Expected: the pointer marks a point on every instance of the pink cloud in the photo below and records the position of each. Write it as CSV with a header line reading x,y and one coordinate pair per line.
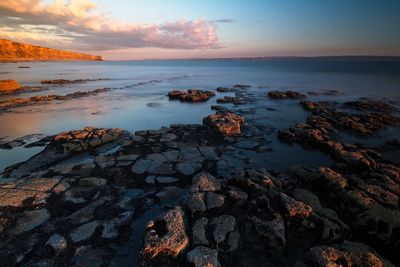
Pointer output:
x,y
77,23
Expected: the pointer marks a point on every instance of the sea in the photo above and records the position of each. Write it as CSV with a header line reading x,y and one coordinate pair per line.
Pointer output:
x,y
138,97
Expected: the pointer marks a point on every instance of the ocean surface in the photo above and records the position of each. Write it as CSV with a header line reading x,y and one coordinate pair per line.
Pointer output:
x,y
138,98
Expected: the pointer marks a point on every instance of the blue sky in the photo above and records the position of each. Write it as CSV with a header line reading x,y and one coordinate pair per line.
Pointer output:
x,y
233,28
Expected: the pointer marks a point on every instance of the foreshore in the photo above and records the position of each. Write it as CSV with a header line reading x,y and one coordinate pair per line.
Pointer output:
x,y
193,194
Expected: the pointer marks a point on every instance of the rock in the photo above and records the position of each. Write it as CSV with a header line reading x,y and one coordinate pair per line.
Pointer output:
x,y
160,168
169,193
87,256
221,226
185,168
9,85
345,254
208,153
231,99
214,200
141,166
57,242
84,232
165,237
199,232
238,196
190,154
167,180
294,208
195,203
203,257
30,220
285,95
227,124
241,86
205,182
191,95
224,90
273,231
371,105
110,230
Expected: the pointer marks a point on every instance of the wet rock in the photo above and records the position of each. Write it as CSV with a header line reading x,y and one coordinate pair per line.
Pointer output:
x,y
195,203
241,86
224,90
227,124
371,105
185,168
169,193
273,231
199,232
110,228
205,182
238,196
57,242
160,168
191,95
203,256
231,99
346,254
84,232
221,226
30,220
165,237
214,200
141,166
87,256
208,153
285,95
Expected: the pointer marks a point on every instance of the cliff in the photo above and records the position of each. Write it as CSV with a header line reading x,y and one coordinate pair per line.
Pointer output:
x,y
13,51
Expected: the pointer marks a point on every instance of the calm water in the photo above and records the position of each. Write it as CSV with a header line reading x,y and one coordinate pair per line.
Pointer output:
x,y
136,84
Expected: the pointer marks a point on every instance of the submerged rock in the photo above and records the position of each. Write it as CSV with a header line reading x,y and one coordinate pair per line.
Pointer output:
x,y
285,95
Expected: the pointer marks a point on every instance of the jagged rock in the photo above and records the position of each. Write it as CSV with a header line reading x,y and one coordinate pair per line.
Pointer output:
x,y
371,105
205,182
84,232
345,254
273,231
203,256
285,95
237,195
195,202
165,237
294,208
57,242
199,232
191,95
222,225
227,124
214,200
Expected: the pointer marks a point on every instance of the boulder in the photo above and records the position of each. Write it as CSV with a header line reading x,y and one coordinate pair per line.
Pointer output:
x,y
228,124
165,237
9,85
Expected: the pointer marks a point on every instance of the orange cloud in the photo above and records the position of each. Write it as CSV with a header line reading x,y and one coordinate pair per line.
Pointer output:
x,y
77,22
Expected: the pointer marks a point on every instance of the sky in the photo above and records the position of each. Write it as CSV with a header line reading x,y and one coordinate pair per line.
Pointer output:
x,y
164,29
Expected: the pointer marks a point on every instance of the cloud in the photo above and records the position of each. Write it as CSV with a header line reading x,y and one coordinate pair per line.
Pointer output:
x,y
223,21
76,23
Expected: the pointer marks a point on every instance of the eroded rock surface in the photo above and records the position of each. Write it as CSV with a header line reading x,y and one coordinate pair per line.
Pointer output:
x,y
191,95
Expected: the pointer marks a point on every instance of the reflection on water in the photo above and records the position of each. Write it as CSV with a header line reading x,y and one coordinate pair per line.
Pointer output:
x,y
139,83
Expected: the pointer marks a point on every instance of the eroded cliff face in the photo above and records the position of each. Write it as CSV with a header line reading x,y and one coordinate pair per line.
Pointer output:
x,y
13,51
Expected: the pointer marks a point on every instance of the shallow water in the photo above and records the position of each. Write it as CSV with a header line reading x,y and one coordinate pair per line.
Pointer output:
x,y
138,83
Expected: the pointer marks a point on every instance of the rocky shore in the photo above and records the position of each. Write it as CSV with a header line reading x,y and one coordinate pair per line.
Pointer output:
x,y
187,195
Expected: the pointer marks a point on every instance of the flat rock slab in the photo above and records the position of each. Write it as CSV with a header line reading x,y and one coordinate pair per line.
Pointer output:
x,y
30,220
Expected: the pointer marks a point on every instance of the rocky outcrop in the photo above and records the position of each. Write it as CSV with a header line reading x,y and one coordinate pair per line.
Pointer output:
x,y
191,95
40,99
225,123
9,85
13,51
286,95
